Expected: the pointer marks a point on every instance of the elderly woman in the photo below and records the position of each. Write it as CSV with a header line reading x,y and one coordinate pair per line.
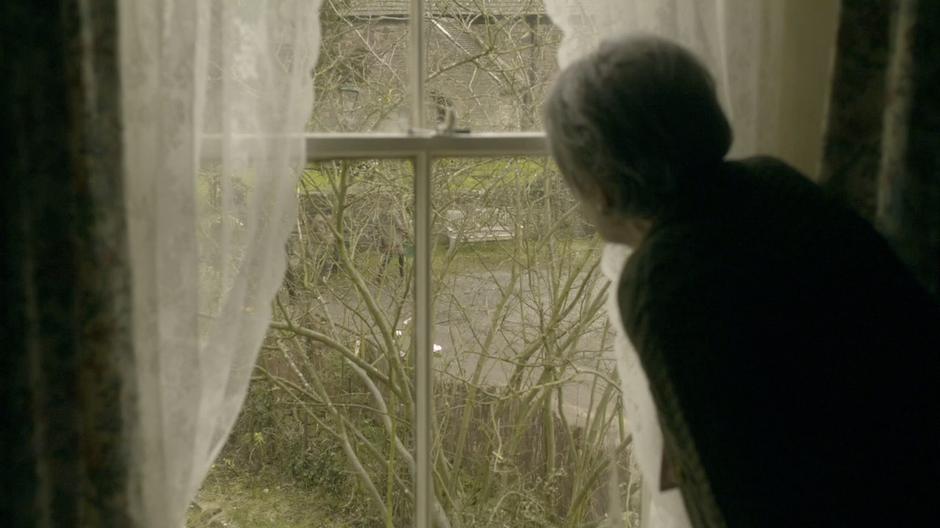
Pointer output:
x,y
790,357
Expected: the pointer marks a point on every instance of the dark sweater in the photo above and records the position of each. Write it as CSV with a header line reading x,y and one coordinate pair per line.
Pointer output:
x,y
791,355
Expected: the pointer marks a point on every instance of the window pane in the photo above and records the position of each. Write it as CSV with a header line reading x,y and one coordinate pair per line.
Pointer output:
x,y
489,63
529,424
325,435
362,75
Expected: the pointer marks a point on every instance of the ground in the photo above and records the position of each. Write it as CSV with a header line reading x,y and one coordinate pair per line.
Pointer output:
x,y
227,500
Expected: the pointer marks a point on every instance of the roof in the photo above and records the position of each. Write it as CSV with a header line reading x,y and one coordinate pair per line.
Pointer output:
x,y
370,8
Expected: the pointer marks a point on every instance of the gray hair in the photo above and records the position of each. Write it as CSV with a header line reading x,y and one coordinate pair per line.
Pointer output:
x,y
636,120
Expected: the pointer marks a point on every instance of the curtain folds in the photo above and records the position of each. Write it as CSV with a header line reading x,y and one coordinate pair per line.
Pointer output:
x,y
880,153
64,274
771,63
855,117
215,96
908,193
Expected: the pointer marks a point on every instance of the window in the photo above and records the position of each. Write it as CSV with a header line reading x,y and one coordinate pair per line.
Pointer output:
x,y
440,354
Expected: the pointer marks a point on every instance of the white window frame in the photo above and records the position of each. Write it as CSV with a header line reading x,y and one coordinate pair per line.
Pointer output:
x,y
422,146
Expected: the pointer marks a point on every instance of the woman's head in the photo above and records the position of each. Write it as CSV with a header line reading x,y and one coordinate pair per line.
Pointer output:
x,y
630,123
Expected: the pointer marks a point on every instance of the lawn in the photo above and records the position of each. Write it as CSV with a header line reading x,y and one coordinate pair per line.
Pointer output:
x,y
227,500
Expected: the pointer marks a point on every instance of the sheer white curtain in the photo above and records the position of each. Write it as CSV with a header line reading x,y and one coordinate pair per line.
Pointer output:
x,y
216,93
770,60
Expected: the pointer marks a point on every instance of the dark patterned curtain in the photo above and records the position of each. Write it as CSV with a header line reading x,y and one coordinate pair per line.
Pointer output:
x,y
65,331
882,147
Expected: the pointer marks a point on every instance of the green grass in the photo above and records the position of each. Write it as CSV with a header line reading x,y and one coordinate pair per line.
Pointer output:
x,y
227,500
476,257
313,179
481,174
455,174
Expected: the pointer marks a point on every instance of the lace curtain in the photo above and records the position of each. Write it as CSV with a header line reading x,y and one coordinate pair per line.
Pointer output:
x,y
215,95
770,61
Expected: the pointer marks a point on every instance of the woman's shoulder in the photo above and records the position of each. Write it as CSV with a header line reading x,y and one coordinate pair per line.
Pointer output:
x,y
770,205
769,168
768,238
673,265
767,164
760,225
773,180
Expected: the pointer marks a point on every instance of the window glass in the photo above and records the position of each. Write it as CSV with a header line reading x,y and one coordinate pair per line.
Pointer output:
x,y
361,79
528,429
488,64
529,425
325,435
